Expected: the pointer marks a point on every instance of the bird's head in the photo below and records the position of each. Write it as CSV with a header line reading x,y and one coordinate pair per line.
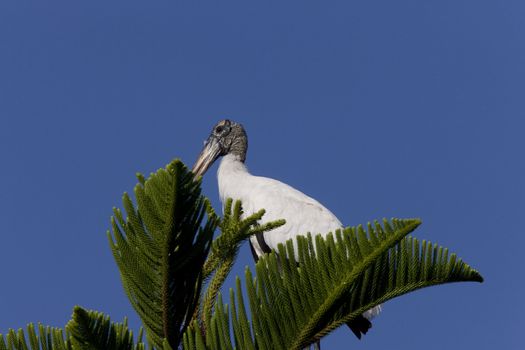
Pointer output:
x,y
227,137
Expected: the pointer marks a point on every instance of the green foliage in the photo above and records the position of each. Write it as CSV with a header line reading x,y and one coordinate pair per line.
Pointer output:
x,y
172,271
234,231
161,248
293,303
88,330
91,330
43,339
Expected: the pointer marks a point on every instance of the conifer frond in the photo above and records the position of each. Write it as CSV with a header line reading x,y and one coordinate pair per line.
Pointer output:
x,y
91,330
295,302
234,231
87,330
165,251
46,338
160,249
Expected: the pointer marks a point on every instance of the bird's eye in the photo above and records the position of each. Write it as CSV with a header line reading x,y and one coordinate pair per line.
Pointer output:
x,y
219,129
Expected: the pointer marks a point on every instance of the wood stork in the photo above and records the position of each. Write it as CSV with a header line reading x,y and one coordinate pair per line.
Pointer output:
x,y
303,214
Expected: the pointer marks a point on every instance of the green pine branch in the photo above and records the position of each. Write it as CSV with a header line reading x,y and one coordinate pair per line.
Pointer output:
x,y
40,338
295,302
172,271
91,330
161,248
87,330
234,231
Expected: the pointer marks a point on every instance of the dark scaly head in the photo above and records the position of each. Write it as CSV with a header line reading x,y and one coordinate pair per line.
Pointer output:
x,y
227,137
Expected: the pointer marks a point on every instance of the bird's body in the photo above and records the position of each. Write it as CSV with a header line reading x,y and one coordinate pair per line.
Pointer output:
x,y
302,213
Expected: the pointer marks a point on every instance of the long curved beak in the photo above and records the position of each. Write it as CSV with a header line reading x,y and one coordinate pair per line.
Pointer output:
x,y
208,155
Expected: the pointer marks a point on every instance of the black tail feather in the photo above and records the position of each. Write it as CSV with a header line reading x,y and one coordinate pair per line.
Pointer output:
x,y
359,326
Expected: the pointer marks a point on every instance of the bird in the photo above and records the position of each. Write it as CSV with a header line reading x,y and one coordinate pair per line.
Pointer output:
x,y
228,140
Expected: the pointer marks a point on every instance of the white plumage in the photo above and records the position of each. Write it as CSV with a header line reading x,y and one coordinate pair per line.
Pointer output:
x,y
302,213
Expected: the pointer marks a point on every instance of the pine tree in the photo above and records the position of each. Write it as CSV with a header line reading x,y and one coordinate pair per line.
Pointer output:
x,y
173,270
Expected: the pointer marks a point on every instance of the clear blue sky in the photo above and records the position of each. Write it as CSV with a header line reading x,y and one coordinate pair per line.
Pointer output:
x,y
375,108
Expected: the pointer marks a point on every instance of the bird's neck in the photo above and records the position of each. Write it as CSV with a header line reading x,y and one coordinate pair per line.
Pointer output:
x,y
231,175
239,147
231,164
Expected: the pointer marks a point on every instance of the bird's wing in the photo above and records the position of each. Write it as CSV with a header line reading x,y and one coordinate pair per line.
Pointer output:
x,y
302,213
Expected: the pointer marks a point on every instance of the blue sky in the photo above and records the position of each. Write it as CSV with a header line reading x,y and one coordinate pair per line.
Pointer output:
x,y
377,109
